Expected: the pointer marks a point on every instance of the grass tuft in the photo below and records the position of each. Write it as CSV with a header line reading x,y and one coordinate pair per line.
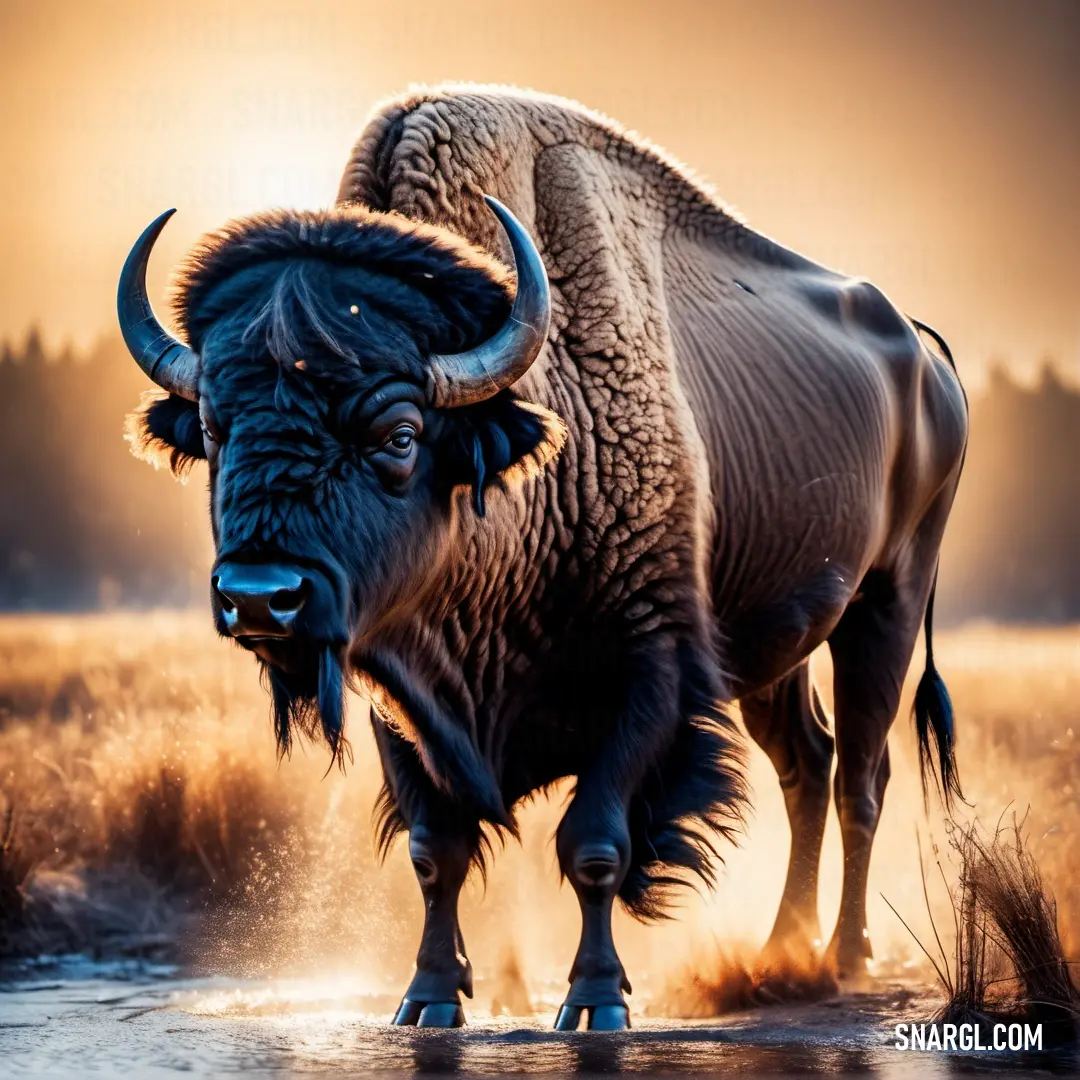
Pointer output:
x,y
1008,962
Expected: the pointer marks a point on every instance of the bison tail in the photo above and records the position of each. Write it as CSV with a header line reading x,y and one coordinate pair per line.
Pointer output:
x,y
934,716
694,798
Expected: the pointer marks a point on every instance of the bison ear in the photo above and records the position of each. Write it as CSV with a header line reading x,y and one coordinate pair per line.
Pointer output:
x,y
165,431
501,441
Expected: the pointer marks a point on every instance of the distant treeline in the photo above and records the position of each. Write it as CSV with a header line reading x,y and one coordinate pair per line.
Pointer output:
x,y
1012,551
84,525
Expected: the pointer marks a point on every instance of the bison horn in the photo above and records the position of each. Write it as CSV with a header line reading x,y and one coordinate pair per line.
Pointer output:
x,y
170,363
498,362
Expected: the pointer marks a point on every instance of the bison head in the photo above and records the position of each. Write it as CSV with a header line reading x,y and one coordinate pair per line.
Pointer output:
x,y
346,376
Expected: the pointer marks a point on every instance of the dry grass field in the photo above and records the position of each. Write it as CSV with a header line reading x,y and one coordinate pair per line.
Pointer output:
x,y
143,812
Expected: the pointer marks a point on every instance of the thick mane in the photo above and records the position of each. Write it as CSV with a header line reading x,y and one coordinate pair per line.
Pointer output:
x,y
342,278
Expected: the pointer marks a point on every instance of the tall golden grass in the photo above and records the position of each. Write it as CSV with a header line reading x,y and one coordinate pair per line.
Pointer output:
x,y
146,809
143,810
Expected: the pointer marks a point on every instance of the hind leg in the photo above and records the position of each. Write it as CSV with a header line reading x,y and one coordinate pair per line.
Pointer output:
x,y
871,650
788,721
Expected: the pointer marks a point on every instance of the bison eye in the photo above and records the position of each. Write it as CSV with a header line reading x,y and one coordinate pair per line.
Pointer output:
x,y
401,440
208,423
390,442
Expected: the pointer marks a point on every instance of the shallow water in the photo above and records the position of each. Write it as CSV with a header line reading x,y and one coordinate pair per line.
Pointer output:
x,y
77,1018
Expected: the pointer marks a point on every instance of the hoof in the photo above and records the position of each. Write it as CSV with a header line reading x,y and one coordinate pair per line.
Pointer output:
x,y
568,1018
408,1013
852,976
794,949
600,1017
442,1014
435,1014
848,956
609,1018
855,976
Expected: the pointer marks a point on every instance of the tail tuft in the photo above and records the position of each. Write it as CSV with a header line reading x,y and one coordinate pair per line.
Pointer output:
x,y
934,714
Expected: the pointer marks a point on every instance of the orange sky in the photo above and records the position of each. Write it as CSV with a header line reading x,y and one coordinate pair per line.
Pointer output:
x,y
932,145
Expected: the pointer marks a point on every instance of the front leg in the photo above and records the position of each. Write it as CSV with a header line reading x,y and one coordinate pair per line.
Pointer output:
x,y
593,840
443,839
593,846
441,861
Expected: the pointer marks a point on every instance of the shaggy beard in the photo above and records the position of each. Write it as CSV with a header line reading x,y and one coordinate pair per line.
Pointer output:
x,y
311,702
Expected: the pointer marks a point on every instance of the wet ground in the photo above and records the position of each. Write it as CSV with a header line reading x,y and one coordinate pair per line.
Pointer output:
x,y
81,1019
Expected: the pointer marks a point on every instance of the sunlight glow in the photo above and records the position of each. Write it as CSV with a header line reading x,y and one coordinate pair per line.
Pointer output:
x,y
326,995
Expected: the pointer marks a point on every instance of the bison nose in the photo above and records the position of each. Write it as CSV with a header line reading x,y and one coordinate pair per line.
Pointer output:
x,y
259,599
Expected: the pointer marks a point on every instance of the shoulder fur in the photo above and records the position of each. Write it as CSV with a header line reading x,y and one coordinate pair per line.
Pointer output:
x,y
399,146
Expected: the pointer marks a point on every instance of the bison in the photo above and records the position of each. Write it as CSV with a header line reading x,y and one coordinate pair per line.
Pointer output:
x,y
553,522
